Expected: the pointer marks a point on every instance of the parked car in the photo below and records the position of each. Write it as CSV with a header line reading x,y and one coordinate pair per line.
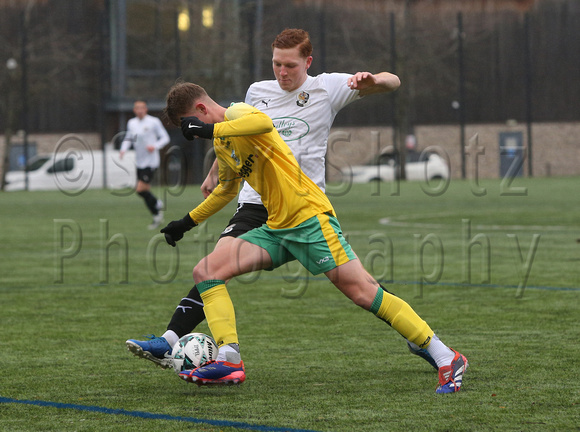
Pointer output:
x,y
424,166
75,171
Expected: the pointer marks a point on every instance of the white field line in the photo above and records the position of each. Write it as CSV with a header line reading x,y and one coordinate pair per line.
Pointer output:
x,y
390,222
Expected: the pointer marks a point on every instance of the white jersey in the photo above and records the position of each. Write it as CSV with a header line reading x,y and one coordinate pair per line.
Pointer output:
x,y
148,131
303,118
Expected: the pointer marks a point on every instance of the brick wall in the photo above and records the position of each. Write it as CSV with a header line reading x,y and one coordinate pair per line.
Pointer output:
x,y
555,147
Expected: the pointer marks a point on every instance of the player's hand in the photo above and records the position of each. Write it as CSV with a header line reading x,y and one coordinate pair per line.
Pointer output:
x,y
367,83
208,186
192,127
175,229
361,80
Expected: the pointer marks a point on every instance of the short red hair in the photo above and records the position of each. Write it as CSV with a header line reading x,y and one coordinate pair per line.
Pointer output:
x,y
291,38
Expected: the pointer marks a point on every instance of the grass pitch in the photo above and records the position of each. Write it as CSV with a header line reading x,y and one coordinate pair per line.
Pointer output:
x,y
497,276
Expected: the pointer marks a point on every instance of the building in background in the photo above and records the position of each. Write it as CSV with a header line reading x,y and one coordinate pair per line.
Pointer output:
x,y
87,61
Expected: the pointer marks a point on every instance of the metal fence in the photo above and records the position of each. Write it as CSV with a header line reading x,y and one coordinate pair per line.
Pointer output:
x,y
78,66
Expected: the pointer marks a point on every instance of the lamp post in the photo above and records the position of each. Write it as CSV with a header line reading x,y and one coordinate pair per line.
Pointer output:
x,y
24,90
11,66
461,102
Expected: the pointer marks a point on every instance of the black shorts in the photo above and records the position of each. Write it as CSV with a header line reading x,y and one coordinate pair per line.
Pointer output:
x,y
246,218
146,174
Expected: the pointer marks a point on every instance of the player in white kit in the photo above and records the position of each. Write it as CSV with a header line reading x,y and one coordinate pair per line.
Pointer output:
x,y
147,136
303,109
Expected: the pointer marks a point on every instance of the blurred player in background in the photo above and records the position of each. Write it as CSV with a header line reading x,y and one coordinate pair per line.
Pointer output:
x,y
147,135
301,225
303,109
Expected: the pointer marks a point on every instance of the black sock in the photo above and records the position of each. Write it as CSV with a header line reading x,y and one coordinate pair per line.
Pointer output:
x,y
150,201
188,314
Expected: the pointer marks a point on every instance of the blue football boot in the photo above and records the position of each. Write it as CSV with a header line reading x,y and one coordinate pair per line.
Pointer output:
x,y
155,349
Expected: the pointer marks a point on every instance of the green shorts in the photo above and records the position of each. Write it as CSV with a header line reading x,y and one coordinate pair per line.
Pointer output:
x,y
317,243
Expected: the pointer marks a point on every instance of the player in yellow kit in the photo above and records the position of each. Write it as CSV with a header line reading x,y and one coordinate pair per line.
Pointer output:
x,y
301,225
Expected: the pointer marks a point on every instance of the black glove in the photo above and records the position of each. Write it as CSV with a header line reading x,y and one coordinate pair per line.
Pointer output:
x,y
192,127
175,229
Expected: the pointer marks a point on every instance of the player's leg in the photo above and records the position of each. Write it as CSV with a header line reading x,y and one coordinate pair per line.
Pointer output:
x,y
414,348
236,258
328,252
231,258
189,313
332,243
186,317
143,189
155,349
350,278
354,282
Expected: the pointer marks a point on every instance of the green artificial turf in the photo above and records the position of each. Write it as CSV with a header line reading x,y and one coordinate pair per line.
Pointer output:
x,y
496,276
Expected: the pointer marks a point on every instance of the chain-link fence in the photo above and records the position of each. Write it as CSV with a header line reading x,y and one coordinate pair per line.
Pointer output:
x,y
459,62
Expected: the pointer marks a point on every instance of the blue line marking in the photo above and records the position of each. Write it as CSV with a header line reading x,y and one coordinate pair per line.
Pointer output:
x,y
152,416
473,285
450,284
389,281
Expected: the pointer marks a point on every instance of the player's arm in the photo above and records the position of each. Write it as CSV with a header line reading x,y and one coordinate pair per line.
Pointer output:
x,y
211,181
241,120
225,192
367,83
162,135
127,141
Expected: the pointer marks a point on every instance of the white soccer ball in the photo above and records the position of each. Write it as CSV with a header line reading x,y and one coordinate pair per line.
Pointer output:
x,y
192,351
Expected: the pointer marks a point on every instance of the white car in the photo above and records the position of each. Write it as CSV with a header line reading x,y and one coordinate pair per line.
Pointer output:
x,y
75,171
424,166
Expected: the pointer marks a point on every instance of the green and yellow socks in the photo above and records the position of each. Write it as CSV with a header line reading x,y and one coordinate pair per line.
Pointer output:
x,y
399,315
219,311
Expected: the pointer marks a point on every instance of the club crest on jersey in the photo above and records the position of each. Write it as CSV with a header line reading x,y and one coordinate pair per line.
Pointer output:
x,y
302,99
234,157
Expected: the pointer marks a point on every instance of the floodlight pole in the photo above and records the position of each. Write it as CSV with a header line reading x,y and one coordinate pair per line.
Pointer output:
x,y
461,90
394,71
257,43
24,91
528,68
11,66
322,33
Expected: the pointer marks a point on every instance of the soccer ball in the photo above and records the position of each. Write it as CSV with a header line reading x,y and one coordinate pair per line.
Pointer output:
x,y
192,351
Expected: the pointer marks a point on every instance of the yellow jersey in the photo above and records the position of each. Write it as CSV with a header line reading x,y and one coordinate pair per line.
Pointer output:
x,y
249,148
